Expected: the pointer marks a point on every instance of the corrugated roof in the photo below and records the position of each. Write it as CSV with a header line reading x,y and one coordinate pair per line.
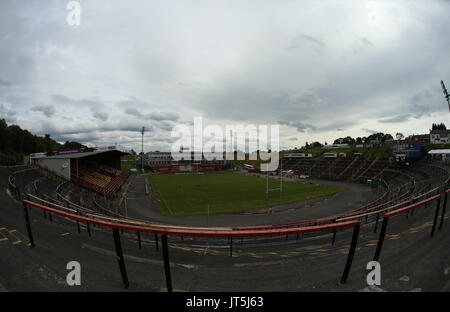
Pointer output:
x,y
79,155
439,151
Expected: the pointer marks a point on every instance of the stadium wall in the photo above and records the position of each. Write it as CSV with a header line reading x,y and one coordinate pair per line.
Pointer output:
x,y
186,168
59,166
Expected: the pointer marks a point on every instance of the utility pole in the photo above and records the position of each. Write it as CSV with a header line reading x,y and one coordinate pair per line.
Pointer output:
x,y
142,155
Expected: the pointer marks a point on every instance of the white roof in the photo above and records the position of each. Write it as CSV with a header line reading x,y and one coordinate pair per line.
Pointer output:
x,y
75,155
439,151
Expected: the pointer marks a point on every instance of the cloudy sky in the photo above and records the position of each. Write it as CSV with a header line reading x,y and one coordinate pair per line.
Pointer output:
x,y
319,69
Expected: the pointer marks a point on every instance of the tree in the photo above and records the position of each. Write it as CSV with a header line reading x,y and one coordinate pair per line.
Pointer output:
x,y
315,145
72,145
440,126
3,134
399,136
386,137
348,140
15,143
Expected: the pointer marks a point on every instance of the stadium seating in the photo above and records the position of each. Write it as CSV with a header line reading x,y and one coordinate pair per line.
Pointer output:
x,y
99,178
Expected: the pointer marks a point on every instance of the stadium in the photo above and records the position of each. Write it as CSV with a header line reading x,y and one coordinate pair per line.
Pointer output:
x,y
229,149
336,212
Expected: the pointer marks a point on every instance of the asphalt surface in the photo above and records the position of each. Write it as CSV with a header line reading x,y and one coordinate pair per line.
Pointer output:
x,y
411,260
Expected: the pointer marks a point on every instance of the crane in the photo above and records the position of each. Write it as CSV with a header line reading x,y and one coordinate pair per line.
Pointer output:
x,y
446,95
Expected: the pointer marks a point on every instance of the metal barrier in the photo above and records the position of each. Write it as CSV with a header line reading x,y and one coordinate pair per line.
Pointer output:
x,y
444,207
164,232
399,211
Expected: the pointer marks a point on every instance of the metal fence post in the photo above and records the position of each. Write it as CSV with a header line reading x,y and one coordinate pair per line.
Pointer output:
x,y
27,222
88,229
120,258
381,239
156,242
78,225
165,249
351,253
139,239
444,207
376,223
231,246
333,240
435,216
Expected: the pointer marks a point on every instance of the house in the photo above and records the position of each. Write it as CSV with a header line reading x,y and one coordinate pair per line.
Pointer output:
x,y
440,136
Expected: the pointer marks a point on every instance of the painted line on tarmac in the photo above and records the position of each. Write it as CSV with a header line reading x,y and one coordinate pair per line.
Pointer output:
x,y
394,236
12,234
17,241
3,235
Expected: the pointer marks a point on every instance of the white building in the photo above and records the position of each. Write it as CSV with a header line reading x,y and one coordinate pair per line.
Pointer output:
x,y
440,136
442,154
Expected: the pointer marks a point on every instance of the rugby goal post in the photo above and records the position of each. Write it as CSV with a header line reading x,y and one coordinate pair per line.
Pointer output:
x,y
280,188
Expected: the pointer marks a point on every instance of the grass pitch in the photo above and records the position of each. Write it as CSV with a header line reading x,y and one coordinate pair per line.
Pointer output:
x,y
192,194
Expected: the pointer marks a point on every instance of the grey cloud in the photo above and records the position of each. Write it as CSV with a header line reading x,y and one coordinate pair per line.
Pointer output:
x,y
396,119
362,45
268,72
47,110
164,125
134,112
301,126
8,114
100,116
62,98
302,40
423,104
308,101
156,116
366,41
164,116
323,125
91,103
370,131
5,83
339,125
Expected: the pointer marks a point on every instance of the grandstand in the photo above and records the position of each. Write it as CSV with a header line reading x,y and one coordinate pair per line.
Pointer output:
x,y
97,170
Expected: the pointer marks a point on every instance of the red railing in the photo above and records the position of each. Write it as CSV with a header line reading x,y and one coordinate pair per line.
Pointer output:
x,y
402,210
218,232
